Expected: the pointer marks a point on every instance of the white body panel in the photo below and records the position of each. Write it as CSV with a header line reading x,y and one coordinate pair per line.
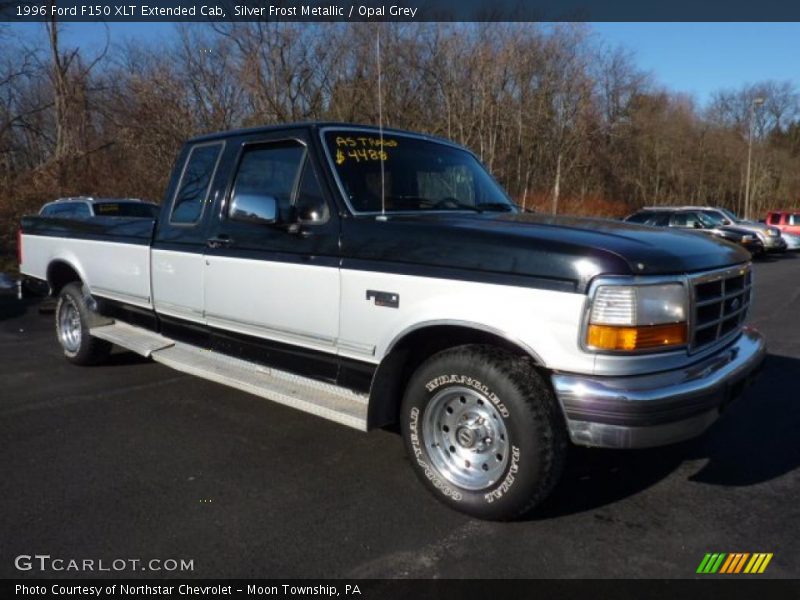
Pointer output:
x,y
288,302
178,279
322,308
112,270
545,322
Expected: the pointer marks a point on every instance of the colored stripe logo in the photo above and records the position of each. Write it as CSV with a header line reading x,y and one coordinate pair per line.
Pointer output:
x,y
734,563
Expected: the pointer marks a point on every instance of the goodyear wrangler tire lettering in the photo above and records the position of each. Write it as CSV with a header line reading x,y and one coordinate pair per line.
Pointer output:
x,y
484,431
509,480
469,381
418,454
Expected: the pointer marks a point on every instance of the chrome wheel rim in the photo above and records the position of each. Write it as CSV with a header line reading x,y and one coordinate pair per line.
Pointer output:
x,y
69,325
466,438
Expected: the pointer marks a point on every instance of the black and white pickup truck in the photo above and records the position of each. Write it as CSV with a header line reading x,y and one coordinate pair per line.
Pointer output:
x,y
374,276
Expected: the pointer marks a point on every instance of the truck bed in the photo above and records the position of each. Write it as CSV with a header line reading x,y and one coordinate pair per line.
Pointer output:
x,y
114,253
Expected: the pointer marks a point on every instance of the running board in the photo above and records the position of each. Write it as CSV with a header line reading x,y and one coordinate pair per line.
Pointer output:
x,y
138,340
325,400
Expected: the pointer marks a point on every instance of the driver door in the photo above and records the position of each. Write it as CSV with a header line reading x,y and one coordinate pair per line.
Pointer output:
x,y
272,289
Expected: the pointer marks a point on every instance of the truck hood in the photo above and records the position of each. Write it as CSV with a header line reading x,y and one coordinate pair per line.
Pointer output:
x,y
568,249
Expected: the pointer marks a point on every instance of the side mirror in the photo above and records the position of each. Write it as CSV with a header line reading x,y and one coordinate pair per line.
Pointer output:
x,y
254,208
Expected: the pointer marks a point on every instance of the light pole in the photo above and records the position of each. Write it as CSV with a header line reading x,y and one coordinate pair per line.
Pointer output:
x,y
757,101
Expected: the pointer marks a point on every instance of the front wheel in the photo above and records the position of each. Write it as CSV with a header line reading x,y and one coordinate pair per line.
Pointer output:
x,y
483,431
73,319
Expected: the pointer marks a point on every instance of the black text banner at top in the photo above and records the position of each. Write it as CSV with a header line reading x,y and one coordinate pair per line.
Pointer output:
x,y
398,10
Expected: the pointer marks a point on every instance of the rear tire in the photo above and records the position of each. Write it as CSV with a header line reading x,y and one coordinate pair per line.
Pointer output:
x,y
483,431
73,320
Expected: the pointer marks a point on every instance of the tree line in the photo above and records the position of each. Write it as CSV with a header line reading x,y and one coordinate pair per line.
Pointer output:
x,y
566,123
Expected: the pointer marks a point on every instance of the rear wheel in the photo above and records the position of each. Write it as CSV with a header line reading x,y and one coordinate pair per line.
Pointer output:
x,y
73,319
483,431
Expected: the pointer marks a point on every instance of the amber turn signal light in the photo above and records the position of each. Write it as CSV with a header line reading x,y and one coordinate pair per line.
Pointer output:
x,y
611,337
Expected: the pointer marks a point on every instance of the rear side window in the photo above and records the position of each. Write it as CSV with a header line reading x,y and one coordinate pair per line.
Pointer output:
x,y
194,185
659,220
271,170
774,219
683,219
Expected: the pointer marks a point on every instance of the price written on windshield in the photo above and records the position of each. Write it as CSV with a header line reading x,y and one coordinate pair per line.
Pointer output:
x,y
361,148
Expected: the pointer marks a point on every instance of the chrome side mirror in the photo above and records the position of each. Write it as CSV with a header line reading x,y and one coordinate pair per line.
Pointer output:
x,y
254,208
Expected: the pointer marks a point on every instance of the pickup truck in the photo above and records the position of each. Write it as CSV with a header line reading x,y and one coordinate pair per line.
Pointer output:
x,y
786,221
378,277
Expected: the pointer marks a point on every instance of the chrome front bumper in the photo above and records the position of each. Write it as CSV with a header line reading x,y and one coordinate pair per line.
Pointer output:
x,y
658,409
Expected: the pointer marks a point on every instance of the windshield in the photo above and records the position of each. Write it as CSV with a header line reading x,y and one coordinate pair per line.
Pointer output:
x,y
125,209
419,175
730,215
712,217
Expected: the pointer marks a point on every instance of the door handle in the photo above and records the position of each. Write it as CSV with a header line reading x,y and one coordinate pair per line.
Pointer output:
x,y
221,241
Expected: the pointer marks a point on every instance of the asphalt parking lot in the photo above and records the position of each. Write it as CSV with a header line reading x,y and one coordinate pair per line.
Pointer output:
x,y
133,460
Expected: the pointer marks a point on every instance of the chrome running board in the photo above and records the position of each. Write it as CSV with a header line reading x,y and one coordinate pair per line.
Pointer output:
x,y
136,339
325,400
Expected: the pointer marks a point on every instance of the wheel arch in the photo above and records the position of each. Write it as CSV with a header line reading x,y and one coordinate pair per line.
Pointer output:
x,y
413,346
60,272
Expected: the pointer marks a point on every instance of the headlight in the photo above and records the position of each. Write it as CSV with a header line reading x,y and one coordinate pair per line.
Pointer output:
x,y
773,232
746,239
637,317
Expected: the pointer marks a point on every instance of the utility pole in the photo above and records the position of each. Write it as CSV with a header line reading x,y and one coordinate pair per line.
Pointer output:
x,y
757,101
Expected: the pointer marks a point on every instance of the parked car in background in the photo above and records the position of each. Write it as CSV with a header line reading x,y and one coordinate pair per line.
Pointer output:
x,y
786,221
792,241
769,236
697,220
87,206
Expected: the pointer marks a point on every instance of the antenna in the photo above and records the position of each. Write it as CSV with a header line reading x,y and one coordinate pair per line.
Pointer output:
x,y
380,120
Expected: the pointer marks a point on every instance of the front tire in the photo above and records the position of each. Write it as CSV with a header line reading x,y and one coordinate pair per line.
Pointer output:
x,y
483,431
73,320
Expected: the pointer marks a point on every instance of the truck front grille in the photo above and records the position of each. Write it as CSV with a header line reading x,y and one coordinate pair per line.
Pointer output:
x,y
720,301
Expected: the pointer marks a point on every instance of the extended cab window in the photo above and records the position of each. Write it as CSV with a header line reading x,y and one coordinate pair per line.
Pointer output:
x,y
270,170
774,219
194,185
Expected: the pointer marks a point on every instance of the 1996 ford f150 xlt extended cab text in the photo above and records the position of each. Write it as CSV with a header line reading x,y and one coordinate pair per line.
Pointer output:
x,y
377,276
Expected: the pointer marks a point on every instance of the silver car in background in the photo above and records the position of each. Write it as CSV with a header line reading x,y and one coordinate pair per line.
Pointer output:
x,y
770,236
78,207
